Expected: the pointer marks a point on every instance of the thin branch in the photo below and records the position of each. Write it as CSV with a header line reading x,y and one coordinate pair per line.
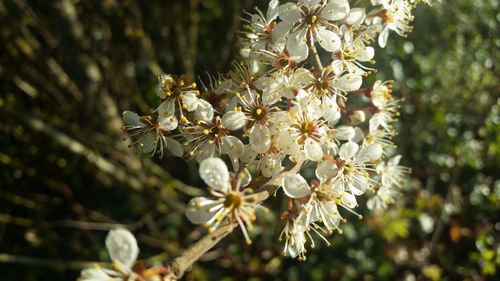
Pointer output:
x,y
442,217
78,148
58,264
315,56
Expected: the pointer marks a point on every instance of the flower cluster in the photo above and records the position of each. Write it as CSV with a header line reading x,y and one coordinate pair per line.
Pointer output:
x,y
284,105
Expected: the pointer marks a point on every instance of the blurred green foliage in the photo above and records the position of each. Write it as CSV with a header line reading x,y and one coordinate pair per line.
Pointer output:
x,y
68,68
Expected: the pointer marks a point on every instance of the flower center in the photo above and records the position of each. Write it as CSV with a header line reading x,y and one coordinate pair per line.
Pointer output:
x,y
323,85
259,113
387,16
311,19
308,128
233,200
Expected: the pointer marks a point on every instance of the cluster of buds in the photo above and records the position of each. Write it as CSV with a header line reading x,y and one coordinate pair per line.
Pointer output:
x,y
281,106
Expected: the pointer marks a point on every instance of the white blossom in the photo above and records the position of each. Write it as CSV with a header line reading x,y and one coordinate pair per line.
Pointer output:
x,y
275,110
229,198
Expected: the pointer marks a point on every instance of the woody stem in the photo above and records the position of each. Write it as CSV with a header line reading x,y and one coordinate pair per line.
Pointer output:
x,y
315,57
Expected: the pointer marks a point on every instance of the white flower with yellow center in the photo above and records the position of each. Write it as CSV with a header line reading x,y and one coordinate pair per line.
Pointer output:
x,y
353,53
305,131
257,113
353,165
387,107
332,81
309,21
286,85
396,16
295,237
205,139
230,200
178,96
123,251
263,32
153,133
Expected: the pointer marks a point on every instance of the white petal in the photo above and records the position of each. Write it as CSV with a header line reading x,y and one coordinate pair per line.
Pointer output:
x,y
234,120
326,170
359,186
198,210
358,135
166,108
233,146
310,3
204,111
344,133
245,177
347,150
297,46
301,76
224,86
148,143
295,186
260,138
365,54
356,16
331,111
349,82
248,155
207,152
214,173
122,246
290,13
168,123
336,10
333,220
281,30
271,95
394,160
314,108
95,274
272,10
270,166
382,38
190,101
331,148
349,199
313,150
370,152
338,67
175,147
132,119
329,40
287,144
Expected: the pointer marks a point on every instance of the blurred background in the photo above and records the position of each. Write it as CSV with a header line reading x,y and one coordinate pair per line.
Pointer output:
x,y
69,68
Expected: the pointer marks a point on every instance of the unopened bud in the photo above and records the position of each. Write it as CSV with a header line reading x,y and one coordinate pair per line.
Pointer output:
x,y
357,117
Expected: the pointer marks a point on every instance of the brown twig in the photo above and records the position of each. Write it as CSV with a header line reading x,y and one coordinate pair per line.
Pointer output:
x,y
315,56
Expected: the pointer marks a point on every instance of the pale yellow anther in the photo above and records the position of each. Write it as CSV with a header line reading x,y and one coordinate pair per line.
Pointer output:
x,y
206,132
258,111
